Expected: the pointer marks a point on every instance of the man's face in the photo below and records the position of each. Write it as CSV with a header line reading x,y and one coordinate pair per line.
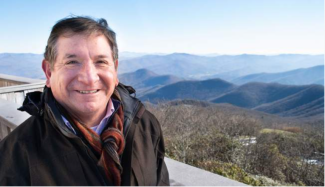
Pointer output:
x,y
84,75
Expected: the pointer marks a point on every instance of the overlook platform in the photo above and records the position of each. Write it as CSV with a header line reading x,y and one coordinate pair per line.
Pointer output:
x,y
180,174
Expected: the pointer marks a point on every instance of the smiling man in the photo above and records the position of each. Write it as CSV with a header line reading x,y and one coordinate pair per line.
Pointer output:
x,y
85,128
83,77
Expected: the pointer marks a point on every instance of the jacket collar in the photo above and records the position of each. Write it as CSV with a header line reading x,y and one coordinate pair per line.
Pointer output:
x,y
131,105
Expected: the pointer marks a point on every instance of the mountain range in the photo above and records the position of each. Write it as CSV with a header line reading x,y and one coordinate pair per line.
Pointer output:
x,y
22,64
144,80
302,76
199,90
226,67
182,65
179,76
273,98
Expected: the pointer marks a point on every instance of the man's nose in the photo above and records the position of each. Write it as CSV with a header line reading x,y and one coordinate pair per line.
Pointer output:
x,y
88,73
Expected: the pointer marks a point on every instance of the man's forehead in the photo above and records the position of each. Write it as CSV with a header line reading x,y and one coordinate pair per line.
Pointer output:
x,y
73,46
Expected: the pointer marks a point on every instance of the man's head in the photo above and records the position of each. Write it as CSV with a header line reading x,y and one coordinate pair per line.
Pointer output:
x,y
81,67
79,25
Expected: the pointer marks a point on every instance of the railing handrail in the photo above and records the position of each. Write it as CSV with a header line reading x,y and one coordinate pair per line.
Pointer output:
x,y
23,87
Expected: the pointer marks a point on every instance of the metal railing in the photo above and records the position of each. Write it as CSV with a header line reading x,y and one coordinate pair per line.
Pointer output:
x,y
17,93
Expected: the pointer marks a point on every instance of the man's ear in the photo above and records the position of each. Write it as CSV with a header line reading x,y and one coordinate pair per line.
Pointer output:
x,y
116,65
48,72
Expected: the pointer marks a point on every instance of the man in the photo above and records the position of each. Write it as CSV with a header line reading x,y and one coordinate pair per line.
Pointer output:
x,y
85,128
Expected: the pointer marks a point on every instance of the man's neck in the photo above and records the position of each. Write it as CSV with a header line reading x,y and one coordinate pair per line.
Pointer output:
x,y
90,119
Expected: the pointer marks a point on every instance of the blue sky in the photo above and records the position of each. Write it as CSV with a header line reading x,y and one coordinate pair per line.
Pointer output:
x,y
167,26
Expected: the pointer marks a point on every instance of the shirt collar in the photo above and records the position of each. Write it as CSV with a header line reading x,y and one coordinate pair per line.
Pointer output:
x,y
109,111
111,106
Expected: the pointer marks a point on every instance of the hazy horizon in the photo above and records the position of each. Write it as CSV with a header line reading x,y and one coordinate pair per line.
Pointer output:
x,y
198,54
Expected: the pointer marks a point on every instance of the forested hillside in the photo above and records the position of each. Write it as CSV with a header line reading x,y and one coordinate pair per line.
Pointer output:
x,y
251,148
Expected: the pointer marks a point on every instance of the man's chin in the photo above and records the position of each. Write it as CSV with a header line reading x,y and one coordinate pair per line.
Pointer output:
x,y
89,108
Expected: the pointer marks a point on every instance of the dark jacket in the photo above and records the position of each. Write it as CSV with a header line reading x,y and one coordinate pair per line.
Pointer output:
x,y
43,151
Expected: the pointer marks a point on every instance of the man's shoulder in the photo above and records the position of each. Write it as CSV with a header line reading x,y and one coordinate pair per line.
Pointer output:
x,y
148,116
149,123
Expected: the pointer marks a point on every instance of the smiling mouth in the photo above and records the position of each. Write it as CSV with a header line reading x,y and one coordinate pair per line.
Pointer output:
x,y
87,91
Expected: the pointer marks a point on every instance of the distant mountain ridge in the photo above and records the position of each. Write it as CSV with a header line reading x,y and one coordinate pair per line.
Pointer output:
x,y
251,95
302,76
22,64
273,98
200,90
308,101
144,80
226,67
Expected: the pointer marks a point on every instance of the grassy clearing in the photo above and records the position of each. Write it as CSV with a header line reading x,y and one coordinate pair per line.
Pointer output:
x,y
278,131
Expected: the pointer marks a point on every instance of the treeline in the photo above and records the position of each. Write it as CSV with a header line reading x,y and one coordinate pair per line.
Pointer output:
x,y
240,146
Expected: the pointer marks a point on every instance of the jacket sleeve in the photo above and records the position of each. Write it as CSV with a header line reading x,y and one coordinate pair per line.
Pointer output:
x,y
162,172
148,153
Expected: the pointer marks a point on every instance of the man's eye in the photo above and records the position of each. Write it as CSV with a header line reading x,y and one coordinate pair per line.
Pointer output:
x,y
72,62
101,62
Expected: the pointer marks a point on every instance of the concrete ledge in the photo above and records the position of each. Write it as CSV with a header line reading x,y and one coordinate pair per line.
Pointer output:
x,y
181,174
10,117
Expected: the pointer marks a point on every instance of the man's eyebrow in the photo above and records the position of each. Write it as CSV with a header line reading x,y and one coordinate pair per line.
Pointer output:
x,y
70,56
103,56
74,56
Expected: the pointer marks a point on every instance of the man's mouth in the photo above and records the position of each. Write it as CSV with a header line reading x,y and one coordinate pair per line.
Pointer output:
x,y
87,91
